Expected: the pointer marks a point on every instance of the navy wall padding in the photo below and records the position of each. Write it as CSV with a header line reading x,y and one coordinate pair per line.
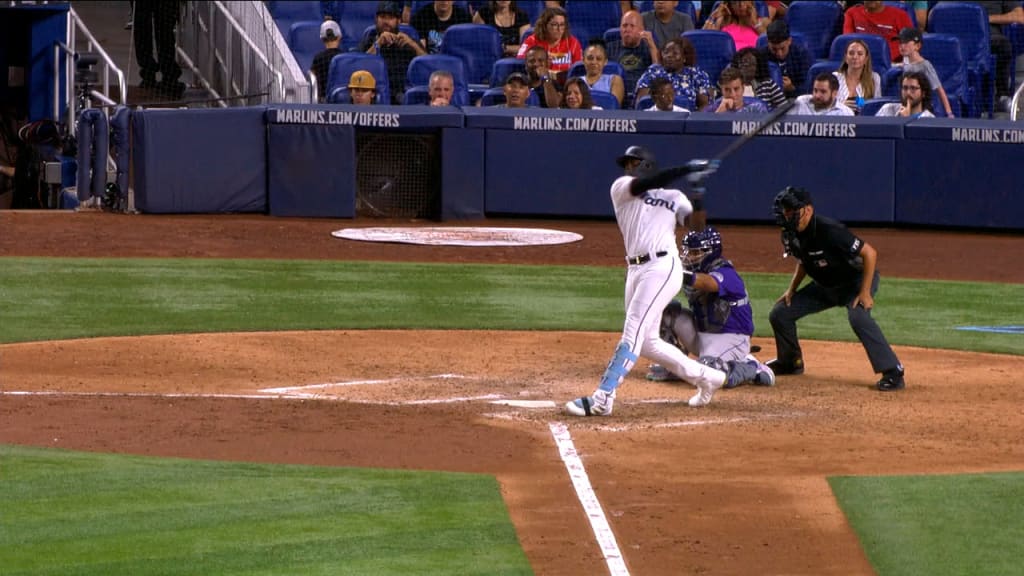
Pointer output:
x,y
961,172
200,161
816,127
311,170
544,119
462,174
383,117
93,150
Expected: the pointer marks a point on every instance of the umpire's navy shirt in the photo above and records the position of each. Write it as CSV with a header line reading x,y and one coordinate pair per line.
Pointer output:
x,y
829,252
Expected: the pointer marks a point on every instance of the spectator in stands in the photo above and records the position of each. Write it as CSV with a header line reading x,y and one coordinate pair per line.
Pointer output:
x,y
857,82
432,20
576,95
330,35
915,98
510,22
732,100
822,101
538,73
777,11
396,47
10,146
679,64
874,17
757,80
794,60
552,33
999,15
920,14
635,51
739,19
664,97
440,88
910,48
594,60
517,90
362,88
665,22
156,20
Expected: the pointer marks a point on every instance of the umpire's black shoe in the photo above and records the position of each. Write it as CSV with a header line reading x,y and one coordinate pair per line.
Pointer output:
x,y
780,368
891,381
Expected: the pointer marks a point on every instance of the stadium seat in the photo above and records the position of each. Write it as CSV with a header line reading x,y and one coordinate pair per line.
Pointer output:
x,y
798,38
612,35
715,50
304,41
605,100
817,68
287,13
344,64
878,46
817,22
1015,32
354,18
422,67
579,69
775,71
533,8
969,23
589,19
478,45
505,66
495,96
872,106
943,51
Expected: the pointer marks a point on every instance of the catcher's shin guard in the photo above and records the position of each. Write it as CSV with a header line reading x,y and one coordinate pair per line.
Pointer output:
x,y
620,365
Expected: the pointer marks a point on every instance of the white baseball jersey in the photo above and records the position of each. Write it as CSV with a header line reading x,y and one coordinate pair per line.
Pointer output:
x,y
648,222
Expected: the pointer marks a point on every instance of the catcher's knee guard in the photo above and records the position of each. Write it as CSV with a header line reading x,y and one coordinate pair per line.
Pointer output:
x,y
714,362
677,327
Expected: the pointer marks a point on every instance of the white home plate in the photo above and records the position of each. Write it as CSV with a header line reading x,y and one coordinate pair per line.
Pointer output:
x,y
460,236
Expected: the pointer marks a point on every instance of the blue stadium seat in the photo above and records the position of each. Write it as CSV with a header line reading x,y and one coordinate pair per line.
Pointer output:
x,y
605,100
818,22
505,66
478,45
817,68
533,8
495,96
579,69
304,40
344,64
878,46
872,106
287,13
422,67
969,23
715,50
943,51
589,19
775,71
355,17
612,34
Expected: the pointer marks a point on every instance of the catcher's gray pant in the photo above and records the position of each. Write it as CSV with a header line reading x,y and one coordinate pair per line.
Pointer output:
x,y
726,347
814,298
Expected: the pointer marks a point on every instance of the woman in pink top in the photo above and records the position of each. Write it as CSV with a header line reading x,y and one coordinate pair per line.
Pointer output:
x,y
739,20
552,33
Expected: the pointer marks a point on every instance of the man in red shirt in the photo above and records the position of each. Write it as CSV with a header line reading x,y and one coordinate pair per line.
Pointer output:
x,y
874,17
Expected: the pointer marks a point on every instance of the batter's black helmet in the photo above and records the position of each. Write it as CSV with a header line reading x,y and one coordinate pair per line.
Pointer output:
x,y
791,198
640,153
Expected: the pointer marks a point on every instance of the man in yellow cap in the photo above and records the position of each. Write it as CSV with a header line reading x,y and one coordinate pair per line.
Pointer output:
x,y
362,87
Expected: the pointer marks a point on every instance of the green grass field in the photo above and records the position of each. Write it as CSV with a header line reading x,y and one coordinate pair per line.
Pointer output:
x,y
74,513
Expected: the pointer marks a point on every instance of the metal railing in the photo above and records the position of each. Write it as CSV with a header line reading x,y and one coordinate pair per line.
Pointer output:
x,y
71,51
224,59
1015,105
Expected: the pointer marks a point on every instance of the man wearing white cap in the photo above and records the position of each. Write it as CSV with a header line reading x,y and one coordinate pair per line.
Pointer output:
x,y
330,34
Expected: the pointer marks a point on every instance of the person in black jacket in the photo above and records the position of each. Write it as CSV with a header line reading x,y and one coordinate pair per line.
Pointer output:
x,y
842,271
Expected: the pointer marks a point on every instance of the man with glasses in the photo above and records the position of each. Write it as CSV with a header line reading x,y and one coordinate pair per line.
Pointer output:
x,y
915,98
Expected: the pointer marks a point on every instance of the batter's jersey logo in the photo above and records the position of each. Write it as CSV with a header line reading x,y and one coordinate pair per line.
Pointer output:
x,y
659,203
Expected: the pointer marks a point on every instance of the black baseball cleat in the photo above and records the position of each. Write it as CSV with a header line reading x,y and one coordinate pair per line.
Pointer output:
x,y
794,367
891,382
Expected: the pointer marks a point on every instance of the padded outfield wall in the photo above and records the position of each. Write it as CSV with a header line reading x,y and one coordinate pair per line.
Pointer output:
x,y
303,160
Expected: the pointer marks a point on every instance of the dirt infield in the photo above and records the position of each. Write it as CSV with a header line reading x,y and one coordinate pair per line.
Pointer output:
x,y
738,487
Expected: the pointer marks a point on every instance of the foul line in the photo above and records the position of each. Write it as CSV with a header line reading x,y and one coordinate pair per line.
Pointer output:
x,y
587,497
293,389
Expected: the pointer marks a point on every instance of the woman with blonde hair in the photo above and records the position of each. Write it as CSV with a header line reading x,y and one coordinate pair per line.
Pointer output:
x,y
738,19
594,60
857,82
551,32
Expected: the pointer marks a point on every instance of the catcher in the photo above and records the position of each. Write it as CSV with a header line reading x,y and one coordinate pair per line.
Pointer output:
x,y
717,325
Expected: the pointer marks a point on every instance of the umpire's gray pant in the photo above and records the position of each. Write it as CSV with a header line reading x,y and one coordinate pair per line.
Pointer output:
x,y
814,298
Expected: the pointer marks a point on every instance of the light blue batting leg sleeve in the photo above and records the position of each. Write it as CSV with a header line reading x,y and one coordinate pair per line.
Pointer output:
x,y
620,365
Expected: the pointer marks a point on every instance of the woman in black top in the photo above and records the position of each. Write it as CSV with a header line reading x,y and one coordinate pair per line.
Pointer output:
x,y
510,21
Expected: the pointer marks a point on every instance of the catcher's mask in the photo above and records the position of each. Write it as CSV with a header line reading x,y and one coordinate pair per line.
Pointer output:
x,y
791,199
701,249
646,158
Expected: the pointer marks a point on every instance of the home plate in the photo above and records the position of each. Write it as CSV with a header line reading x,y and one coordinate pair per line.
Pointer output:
x,y
525,403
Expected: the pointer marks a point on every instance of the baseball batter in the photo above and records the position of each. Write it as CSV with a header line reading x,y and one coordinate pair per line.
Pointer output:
x,y
647,215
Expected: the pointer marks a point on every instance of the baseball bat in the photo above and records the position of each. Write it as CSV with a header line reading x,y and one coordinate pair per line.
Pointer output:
x,y
772,118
